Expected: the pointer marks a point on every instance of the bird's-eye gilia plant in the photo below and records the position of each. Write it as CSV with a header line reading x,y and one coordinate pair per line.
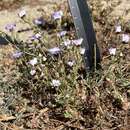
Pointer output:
x,y
45,63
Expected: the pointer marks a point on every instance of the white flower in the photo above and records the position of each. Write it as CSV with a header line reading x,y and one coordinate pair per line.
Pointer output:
x,y
55,83
33,61
118,29
71,63
67,96
42,74
38,35
40,55
44,58
125,38
22,13
78,42
32,72
54,51
82,51
121,54
57,15
42,65
61,34
67,42
112,51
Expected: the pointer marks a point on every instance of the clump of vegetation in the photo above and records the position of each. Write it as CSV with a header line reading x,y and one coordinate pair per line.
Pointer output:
x,y
51,88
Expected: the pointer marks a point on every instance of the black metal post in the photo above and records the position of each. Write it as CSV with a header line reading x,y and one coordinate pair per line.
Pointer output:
x,y
84,29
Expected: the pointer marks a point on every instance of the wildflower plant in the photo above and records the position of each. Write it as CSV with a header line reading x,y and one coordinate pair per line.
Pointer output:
x,y
48,61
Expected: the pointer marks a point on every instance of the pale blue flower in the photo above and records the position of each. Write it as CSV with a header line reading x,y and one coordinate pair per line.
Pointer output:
x,y
39,21
17,54
61,34
54,51
77,42
37,36
10,27
57,15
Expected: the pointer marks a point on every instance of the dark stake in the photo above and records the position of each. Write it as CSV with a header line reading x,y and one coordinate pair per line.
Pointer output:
x,y
84,29
3,40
